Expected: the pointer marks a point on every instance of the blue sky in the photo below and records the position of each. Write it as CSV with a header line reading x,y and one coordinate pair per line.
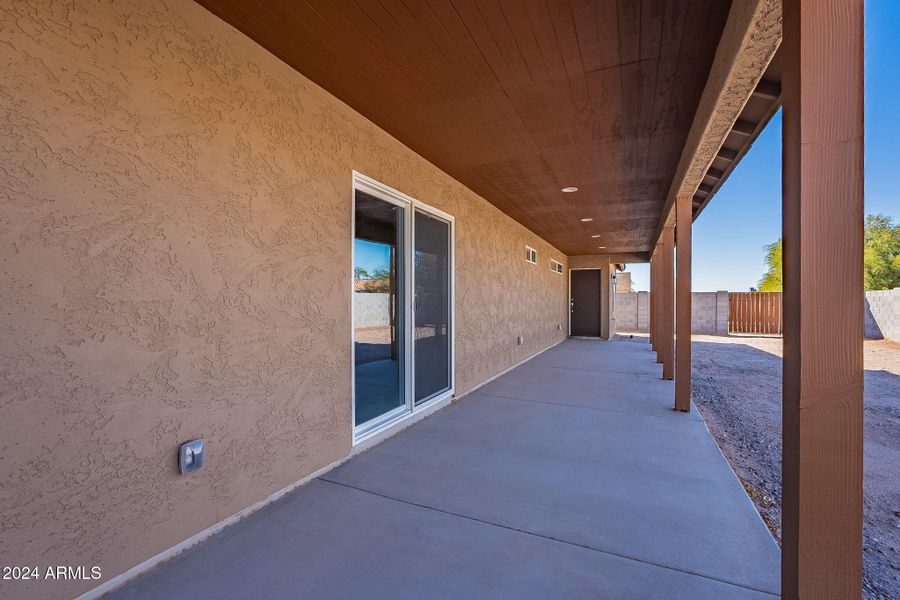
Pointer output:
x,y
745,214
371,255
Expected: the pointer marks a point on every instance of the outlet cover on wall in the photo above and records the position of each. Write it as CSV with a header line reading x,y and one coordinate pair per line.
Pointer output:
x,y
191,457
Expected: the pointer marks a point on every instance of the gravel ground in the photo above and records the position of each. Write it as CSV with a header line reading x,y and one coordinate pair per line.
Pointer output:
x,y
737,387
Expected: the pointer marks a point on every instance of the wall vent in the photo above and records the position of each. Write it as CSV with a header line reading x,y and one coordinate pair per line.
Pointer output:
x,y
556,266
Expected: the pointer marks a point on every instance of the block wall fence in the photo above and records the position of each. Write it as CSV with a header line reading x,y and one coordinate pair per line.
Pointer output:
x,y
709,313
882,318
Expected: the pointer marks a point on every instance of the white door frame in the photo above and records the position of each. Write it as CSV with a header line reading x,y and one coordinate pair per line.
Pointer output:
x,y
409,205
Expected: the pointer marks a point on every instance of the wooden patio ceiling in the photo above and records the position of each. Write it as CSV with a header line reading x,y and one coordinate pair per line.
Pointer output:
x,y
517,99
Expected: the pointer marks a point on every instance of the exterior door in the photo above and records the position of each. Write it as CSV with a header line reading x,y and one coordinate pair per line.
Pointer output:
x,y
431,306
584,302
402,306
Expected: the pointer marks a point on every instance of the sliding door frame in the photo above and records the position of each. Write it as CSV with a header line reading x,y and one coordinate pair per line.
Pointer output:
x,y
409,205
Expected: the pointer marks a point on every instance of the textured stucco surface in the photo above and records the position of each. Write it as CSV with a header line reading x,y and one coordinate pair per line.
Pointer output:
x,y
175,233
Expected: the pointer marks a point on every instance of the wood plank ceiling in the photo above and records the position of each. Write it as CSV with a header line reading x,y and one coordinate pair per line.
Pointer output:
x,y
517,98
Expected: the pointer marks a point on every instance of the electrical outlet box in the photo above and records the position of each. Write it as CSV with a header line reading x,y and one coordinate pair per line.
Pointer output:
x,y
191,457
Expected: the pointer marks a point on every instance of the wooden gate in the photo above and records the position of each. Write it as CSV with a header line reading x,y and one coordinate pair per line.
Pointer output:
x,y
754,312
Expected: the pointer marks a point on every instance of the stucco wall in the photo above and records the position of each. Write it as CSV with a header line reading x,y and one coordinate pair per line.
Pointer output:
x,y
175,232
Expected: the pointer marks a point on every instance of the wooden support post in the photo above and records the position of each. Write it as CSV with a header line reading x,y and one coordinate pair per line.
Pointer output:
x,y
667,303
660,301
651,319
683,217
822,429
605,307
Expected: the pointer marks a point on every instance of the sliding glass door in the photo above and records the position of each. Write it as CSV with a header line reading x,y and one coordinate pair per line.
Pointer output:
x,y
378,308
431,334
402,306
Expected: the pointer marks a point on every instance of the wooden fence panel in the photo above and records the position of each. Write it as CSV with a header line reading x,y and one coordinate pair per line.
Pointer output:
x,y
755,312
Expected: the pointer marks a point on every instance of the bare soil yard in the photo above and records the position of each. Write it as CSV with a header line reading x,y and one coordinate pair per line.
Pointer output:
x,y
737,387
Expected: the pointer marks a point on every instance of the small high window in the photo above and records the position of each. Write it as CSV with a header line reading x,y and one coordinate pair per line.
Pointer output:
x,y
530,255
556,266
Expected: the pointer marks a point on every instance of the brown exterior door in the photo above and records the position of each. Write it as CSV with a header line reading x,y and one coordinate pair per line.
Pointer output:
x,y
585,302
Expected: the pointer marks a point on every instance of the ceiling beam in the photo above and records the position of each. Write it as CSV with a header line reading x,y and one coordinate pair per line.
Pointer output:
x,y
751,37
727,154
744,127
769,90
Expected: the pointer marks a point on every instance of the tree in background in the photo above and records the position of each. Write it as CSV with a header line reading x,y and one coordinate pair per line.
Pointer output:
x,y
881,269
771,280
882,252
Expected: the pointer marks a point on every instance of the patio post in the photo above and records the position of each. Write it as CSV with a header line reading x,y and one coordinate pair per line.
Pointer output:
x,y
651,321
659,284
822,475
683,217
667,302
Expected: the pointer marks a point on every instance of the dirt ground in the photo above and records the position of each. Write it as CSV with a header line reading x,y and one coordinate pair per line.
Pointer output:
x,y
737,387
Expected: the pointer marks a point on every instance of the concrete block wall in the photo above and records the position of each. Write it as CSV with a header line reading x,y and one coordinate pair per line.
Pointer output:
x,y
626,311
882,318
643,311
370,309
722,312
709,312
703,312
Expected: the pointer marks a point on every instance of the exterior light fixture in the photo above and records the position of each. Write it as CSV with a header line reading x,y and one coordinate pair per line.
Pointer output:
x,y
595,236
570,189
601,247
586,220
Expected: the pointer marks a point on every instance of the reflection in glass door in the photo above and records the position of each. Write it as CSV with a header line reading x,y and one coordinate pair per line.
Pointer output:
x,y
378,310
431,308
402,306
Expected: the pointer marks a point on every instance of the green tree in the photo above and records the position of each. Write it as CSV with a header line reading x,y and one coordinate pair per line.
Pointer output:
x,y
881,268
360,273
771,280
381,280
882,253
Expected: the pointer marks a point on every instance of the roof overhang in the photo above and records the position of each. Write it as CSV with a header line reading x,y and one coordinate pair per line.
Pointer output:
x,y
519,100
742,94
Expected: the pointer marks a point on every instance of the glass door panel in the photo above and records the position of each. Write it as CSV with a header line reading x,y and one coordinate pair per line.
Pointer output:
x,y
378,308
431,331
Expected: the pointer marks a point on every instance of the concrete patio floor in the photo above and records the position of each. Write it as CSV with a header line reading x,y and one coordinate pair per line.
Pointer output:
x,y
568,477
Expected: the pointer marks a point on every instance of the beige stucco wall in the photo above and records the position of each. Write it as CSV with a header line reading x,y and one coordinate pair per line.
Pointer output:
x,y
175,233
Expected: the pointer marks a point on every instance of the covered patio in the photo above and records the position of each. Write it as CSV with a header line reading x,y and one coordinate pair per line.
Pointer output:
x,y
192,400
569,476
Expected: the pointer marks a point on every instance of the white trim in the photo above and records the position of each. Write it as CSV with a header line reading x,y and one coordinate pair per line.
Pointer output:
x,y
392,419
554,264
528,253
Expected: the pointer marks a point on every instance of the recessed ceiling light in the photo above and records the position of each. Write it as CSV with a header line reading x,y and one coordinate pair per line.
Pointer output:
x,y
570,189
595,236
587,220
601,247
